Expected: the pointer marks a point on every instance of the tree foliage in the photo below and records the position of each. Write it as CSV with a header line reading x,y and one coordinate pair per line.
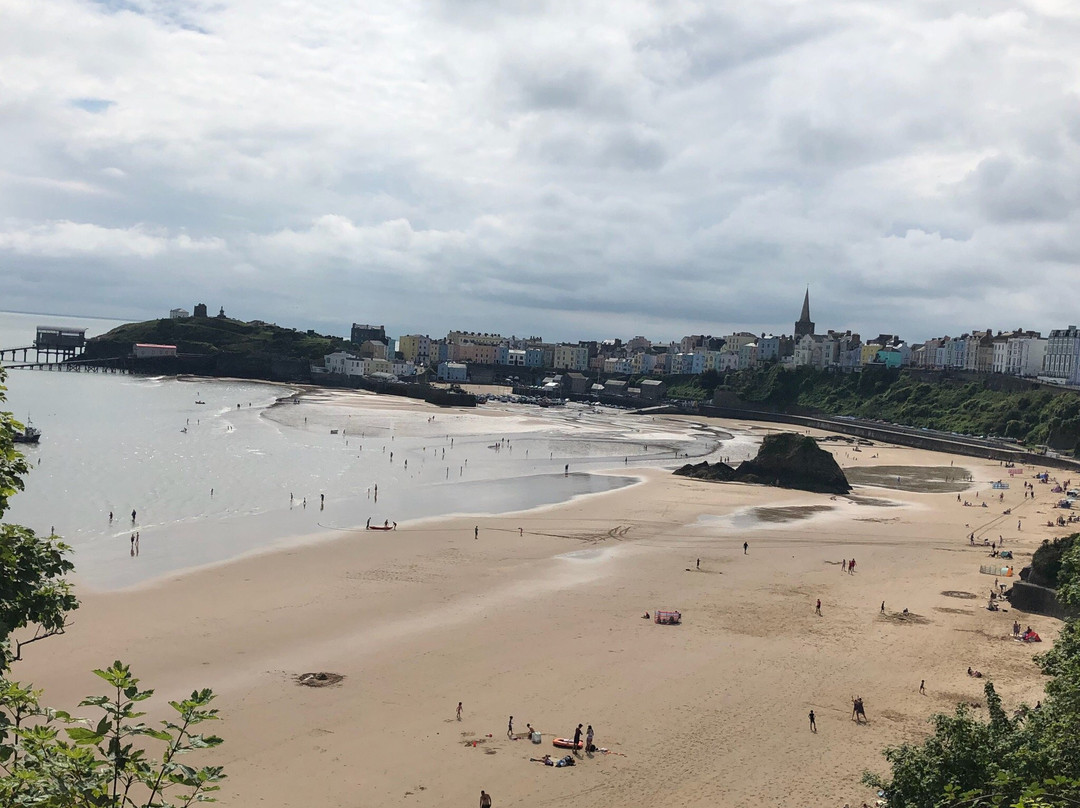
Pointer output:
x,y
48,758
1032,414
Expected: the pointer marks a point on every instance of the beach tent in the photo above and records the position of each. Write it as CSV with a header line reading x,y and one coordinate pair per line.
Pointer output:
x,y
668,618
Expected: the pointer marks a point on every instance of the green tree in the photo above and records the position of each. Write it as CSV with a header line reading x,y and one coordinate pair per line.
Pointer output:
x,y
49,759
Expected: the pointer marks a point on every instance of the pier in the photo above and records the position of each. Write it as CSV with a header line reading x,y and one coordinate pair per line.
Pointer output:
x,y
53,343
57,348
111,365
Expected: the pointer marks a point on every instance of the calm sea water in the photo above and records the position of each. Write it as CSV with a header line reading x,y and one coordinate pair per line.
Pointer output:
x,y
210,481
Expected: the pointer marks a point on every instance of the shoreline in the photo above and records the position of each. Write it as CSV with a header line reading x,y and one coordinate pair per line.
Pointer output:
x,y
329,534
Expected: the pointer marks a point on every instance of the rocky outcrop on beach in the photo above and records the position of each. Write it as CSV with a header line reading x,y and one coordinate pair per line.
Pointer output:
x,y
786,460
707,471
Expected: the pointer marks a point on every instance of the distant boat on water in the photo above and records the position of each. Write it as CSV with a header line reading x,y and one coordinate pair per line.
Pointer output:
x,y
30,434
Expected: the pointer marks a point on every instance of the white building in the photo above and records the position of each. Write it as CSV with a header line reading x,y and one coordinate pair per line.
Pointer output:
x,y
178,314
728,360
1062,360
1032,356
1019,353
453,371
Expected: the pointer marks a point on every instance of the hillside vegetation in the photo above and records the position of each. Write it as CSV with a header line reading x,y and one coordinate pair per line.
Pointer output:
x,y
213,335
1033,416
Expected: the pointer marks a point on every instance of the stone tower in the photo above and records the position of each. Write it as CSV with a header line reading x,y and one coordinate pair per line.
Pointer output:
x,y
804,325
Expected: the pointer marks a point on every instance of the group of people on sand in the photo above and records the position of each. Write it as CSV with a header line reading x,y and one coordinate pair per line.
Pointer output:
x,y
848,566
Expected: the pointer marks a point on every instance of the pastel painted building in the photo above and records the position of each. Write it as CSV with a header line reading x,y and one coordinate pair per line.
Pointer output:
x,y
571,357
416,348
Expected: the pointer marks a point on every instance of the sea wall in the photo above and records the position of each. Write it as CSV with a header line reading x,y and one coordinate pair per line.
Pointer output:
x,y
433,395
1039,600
888,433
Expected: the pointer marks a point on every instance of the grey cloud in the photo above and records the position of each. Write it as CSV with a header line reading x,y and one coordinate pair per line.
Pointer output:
x,y
564,169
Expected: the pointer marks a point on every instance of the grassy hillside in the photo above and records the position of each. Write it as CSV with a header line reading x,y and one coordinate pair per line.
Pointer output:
x,y
1033,416
213,336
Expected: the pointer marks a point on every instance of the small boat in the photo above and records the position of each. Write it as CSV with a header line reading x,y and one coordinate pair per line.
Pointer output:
x,y
183,430
199,402
380,527
30,434
567,743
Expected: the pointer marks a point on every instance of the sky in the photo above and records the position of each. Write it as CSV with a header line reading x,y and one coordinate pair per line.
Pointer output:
x,y
572,170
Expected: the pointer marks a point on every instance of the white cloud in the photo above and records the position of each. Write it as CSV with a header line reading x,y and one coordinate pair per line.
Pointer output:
x,y
78,239
556,168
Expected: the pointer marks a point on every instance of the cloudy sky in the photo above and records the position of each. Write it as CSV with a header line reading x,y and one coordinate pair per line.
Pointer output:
x,y
568,169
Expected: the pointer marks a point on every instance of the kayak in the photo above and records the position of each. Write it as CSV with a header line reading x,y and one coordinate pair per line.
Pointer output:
x,y
380,527
567,743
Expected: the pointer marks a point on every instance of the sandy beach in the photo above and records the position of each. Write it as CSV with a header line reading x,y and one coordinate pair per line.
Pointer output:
x,y
540,617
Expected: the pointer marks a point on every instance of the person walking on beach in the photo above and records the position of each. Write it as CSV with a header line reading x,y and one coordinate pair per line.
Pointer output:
x,y
485,799
883,607
699,563
110,517
132,516
133,544
589,739
745,548
476,532
818,609
566,470
510,729
922,687
459,711
813,722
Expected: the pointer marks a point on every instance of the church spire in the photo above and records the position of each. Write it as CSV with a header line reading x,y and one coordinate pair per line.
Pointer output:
x,y
804,325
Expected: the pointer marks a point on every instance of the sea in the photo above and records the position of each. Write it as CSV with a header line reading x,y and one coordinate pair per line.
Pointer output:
x,y
206,470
